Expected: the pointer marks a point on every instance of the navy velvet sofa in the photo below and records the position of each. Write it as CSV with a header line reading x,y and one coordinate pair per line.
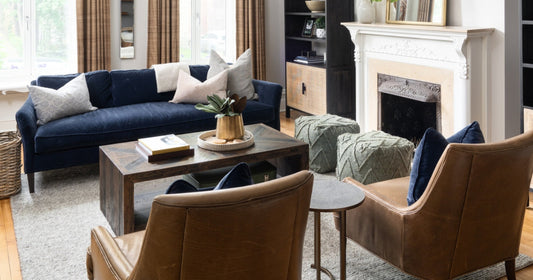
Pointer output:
x,y
129,108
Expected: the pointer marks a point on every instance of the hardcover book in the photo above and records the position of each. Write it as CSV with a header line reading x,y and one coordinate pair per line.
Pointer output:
x,y
163,144
164,156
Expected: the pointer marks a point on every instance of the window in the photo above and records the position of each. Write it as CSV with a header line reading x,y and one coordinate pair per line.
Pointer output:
x,y
36,37
207,25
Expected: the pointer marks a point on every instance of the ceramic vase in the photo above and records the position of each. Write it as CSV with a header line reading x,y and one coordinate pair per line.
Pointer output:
x,y
230,128
381,11
366,12
320,33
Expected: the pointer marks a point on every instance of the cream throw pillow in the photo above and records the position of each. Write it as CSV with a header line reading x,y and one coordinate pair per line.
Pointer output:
x,y
190,90
239,76
71,99
167,74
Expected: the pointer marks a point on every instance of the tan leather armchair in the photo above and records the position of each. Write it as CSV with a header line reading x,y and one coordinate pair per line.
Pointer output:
x,y
469,217
253,232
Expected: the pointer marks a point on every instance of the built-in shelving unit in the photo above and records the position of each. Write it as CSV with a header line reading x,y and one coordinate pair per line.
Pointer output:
x,y
527,64
320,88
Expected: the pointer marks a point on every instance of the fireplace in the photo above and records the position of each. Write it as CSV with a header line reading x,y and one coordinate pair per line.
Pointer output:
x,y
407,107
449,62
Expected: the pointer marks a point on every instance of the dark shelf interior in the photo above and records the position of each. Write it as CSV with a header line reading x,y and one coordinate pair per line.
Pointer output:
x,y
306,14
527,87
527,44
527,10
313,39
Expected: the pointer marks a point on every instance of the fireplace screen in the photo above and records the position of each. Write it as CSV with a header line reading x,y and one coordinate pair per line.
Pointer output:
x,y
408,107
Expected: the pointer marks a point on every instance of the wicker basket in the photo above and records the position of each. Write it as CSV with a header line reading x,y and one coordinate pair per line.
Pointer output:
x,y
9,163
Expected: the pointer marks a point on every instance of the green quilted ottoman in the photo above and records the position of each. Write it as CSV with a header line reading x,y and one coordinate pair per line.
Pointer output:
x,y
373,156
321,133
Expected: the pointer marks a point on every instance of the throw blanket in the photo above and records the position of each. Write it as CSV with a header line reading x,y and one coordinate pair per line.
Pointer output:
x,y
166,75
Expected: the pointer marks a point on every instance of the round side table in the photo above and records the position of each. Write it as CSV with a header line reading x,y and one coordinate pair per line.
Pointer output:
x,y
333,196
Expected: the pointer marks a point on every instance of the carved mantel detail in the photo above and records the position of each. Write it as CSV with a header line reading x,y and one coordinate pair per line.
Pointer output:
x,y
460,51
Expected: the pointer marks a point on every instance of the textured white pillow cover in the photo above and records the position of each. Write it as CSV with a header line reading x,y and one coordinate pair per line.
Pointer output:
x,y
71,99
239,76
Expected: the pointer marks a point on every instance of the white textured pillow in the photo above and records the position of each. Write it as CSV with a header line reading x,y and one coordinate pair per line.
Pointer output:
x,y
71,99
190,90
239,76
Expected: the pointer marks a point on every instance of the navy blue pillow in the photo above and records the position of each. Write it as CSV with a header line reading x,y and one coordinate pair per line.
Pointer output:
x,y
238,176
426,157
181,186
471,134
428,153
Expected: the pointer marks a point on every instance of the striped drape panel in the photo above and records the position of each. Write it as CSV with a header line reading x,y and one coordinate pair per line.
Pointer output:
x,y
251,33
163,32
94,39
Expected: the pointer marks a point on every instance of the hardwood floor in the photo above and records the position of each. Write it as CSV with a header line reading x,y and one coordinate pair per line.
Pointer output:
x,y
9,259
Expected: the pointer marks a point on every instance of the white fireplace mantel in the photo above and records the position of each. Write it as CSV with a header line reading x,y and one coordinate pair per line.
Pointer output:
x,y
458,50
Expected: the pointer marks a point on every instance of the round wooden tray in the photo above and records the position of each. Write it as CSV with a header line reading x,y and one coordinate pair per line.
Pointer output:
x,y
203,143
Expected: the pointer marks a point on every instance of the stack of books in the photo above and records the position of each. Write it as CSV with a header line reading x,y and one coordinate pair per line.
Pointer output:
x,y
317,59
163,147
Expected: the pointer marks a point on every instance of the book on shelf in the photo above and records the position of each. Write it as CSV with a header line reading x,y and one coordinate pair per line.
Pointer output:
x,y
309,60
163,144
144,152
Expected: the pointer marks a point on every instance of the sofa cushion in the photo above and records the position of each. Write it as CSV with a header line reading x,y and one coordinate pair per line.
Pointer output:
x,y
135,86
98,83
131,122
70,99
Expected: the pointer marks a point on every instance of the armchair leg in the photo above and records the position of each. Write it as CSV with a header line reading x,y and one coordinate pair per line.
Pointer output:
x,y
31,181
510,269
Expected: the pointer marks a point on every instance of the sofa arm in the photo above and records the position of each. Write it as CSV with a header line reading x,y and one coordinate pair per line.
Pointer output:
x,y
269,93
27,124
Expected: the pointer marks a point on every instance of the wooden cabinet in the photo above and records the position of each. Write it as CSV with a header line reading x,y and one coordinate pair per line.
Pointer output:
x,y
306,87
328,87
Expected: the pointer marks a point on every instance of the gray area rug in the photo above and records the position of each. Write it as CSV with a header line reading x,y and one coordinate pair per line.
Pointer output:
x,y
53,231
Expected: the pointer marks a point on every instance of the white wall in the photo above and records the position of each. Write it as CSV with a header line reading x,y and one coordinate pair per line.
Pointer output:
x,y
9,105
480,13
513,72
275,41
140,36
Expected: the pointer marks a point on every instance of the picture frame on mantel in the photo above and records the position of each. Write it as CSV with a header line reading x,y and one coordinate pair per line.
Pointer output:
x,y
419,12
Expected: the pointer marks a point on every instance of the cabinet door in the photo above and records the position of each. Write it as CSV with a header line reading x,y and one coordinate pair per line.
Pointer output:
x,y
306,88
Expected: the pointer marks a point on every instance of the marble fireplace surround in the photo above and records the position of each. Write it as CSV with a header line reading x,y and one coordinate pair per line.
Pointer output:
x,y
453,57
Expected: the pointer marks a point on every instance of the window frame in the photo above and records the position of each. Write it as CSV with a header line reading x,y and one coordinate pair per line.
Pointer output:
x,y
230,32
17,80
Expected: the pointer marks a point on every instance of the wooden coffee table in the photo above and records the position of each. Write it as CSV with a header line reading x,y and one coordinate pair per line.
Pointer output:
x,y
121,166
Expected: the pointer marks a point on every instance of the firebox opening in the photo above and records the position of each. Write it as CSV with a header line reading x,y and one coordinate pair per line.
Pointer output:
x,y
407,118
408,107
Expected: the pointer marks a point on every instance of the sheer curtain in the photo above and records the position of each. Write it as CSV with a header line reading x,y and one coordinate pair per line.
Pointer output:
x,y
93,31
251,33
163,31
